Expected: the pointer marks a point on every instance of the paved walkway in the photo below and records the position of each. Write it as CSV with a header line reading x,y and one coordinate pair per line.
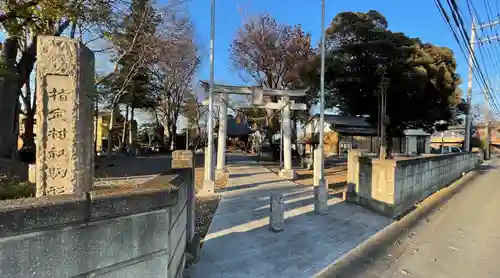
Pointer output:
x,y
239,243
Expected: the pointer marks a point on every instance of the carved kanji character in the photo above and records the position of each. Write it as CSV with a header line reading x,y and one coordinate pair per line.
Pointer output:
x,y
57,134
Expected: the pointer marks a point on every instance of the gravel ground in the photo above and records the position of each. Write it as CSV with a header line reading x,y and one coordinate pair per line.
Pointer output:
x,y
206,206
102,183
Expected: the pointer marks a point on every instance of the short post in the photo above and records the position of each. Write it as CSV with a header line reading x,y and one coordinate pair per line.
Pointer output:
x,y
320,189
65,85
184,159
277,218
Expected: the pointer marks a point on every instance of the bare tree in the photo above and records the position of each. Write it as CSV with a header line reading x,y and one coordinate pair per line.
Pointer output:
x,y
174,72
140,43
271,54
194,111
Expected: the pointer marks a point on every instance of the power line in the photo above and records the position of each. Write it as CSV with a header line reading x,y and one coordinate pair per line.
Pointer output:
x,y
459,22
477,76
473,13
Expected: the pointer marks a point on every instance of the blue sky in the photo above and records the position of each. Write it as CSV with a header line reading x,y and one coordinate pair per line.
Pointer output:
x,y
415,18
418,19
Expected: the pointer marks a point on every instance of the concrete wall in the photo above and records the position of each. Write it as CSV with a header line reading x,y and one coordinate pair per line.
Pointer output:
x,y
393,186
353,170
122,232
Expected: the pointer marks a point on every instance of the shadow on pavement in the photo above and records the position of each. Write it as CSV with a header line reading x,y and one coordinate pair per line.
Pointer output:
x,y
308,244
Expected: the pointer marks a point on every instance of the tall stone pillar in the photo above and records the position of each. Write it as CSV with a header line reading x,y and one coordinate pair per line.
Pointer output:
x,y
64,148
287,172
221,147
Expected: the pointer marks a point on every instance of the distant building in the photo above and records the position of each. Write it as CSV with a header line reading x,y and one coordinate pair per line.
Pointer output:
x,y
100,130
347,132
454,137
494,129
342,133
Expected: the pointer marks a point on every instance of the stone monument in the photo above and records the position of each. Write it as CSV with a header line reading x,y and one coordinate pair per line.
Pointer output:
x,y
64,148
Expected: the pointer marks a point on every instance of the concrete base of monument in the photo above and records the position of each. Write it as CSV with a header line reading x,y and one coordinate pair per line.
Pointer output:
x,y
220,173
320,197
288,174
208,188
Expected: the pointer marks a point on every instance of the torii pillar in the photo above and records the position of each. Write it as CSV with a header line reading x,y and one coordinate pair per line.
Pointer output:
x,y
287,172
221,146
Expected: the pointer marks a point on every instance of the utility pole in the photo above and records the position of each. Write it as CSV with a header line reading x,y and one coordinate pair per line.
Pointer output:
x,y
383,115
473,41
486,129
469,88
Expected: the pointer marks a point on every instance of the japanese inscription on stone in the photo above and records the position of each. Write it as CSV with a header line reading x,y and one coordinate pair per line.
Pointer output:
x,y
58,123
65,80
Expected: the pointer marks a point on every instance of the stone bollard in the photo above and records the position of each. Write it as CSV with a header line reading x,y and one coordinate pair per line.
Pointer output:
x,y
277,218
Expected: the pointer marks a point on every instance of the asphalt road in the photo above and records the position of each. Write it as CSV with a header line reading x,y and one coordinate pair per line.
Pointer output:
x,y
461,238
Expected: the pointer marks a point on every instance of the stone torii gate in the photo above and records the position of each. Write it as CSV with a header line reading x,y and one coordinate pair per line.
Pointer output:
x,y
258,95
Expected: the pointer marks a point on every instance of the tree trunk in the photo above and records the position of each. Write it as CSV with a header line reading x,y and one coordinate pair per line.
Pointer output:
x,y
11,82
388,154
29,122
124,130
174,136
168,129
29,135
110,130
96,125
132,131
9,99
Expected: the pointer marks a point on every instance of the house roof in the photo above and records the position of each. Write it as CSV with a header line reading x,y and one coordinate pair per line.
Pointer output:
x,y
416,132
456,127
368,131
343,120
